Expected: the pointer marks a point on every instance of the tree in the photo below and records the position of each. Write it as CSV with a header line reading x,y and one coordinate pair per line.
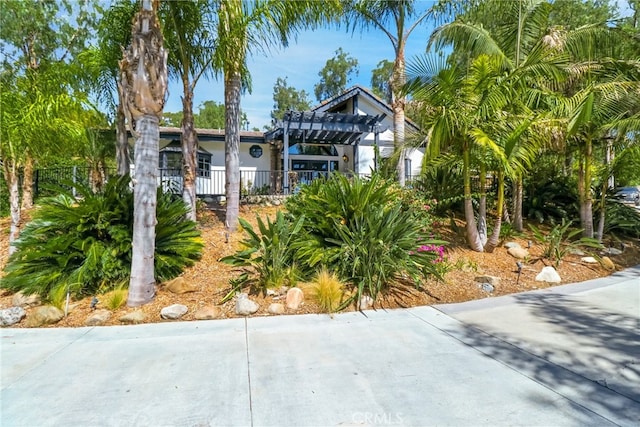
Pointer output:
x,y
143,87
189,39
287,98
381,77
335,75
391,17
210,115
242,28
40,42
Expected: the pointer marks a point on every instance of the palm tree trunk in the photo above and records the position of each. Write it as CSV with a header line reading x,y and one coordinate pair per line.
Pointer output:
x,y
142,287
473,237
482,209
232,88
495,235
11,177
122,143
397,105
189,152
27,183
588,201
517,204
603,210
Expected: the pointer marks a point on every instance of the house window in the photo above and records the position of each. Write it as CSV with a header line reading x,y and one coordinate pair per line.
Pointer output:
x,y
313,149
255,151
204,165
407,168
171,163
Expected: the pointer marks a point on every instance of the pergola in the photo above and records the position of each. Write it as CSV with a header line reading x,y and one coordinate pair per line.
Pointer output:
x,y
322,128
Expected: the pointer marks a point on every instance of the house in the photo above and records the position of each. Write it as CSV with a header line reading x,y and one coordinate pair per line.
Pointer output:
x,y
341,134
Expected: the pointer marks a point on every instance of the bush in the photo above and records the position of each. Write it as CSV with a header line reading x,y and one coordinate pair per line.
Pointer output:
x,y
558,241
620,220
84,245
327,290
360,229
552,202
267,260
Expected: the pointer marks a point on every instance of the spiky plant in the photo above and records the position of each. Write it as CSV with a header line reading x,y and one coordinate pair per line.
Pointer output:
x,y
327,290
83,245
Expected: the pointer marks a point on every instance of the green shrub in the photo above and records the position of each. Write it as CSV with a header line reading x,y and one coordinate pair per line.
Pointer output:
x,y
360,229
621,220
558,241
267,259
552,202
84,245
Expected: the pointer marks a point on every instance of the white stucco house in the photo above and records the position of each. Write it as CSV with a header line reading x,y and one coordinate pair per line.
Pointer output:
x,y
338,135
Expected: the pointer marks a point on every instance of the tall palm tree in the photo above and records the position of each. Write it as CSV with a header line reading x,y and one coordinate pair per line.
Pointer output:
x,y
244,28
397,19
143,87
189,39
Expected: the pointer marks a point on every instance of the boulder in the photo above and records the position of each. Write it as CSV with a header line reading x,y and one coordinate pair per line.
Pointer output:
x,y
519,253
180,285
174,311
276,308
134,317
98,318
491,280
22,300
589,260
245,306
11,316
366,302
510,245
295,297
208,312
45,315
607,263
549,275
611,251
487,287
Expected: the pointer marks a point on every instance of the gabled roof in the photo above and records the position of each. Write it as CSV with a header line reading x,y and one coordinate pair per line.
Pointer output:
x,y
358,90
323,128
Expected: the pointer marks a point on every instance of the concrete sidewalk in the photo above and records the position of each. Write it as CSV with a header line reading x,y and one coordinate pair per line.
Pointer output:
x,y
568,356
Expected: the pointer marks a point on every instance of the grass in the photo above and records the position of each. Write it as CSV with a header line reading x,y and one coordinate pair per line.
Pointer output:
x,y
326,289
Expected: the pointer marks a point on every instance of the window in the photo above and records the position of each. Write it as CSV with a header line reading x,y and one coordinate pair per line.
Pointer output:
x,y
407,168
313,150
204,165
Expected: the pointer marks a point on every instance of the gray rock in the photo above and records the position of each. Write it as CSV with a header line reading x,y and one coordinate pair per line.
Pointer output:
x,y
589,260
98,318
11,316
366,302
174,311
519,253
207,312
133,317
487,287
272,292
295,297
22,300
510,245
611,251
244,306
576,251
492,280
180,285
45,315
549,275
276,308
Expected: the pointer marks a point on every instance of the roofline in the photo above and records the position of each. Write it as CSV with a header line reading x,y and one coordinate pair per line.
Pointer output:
x,y
355,90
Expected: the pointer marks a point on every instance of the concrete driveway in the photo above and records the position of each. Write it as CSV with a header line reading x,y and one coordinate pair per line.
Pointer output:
x,y
567,356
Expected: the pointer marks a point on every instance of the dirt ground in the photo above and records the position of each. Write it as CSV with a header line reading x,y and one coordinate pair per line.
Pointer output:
x,y
211,278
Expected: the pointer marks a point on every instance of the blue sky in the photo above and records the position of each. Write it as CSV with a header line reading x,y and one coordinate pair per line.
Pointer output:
x,y
300,63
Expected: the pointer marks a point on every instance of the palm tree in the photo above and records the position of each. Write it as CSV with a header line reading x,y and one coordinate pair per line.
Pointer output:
x,y
392,17
244,28
189,40
142,87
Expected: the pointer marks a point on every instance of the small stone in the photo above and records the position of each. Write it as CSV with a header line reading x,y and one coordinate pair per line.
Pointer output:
x,y
208,312
589,260
180,285
22,300
272,292
295,296
519,253
45,315
576,251
607,263
173,312
366,302
244,306
549,275
11,316
491,280
612,251
134,317
487,287
98,318
510,245
276,308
